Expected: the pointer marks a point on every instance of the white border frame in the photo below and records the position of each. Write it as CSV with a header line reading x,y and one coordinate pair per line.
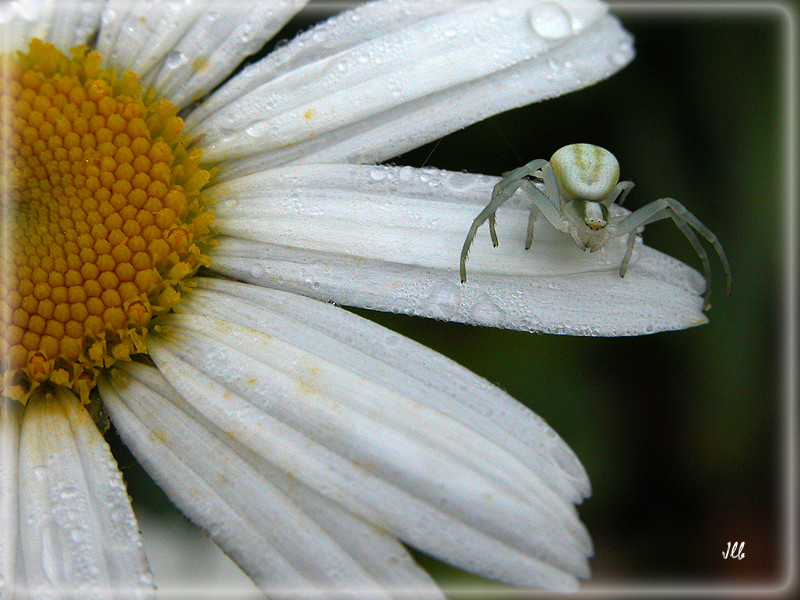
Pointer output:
x,y
789,16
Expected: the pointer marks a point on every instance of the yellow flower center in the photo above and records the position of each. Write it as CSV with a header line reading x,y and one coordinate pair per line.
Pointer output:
x,y
102,215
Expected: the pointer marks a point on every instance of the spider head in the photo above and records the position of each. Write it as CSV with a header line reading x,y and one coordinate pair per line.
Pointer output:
x,y
589,221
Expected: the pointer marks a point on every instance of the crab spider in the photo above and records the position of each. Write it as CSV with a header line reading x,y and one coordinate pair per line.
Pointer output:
x,y
581,182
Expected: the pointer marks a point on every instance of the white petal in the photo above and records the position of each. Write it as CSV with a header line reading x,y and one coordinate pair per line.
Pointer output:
x,y
185,49
369,99
75,23
10,422
284,535
63,23
392,431
340,33
78,534
136,35
390,239
393,361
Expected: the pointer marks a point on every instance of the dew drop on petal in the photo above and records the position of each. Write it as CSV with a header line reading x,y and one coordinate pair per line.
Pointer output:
x,y
486,310
443,300
377,174
244,36
6,12
40,473
52,551
623,54
175,60
257,129
550,20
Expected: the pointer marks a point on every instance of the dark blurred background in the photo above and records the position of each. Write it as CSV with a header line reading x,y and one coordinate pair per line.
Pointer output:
x,y
682,433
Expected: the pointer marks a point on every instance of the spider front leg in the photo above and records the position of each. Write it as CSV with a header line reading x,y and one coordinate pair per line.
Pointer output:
x,y
502,191
547,202
621,190
686,222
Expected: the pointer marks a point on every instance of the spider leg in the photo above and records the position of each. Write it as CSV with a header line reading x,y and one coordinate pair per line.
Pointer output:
x,y
512,180
551,186
701,252
501,192
531,222
548,202
622,189
685,221
628,252
492,230
544,203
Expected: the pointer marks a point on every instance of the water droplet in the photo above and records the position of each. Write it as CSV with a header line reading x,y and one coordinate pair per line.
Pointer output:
x,y
52,553
407,173
444,300
175,60
457,182
550,20
377,174
108,16
257,129
623,54
146,579
486,310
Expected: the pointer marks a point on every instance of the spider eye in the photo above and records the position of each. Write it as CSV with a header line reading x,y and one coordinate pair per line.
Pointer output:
x,y
585,171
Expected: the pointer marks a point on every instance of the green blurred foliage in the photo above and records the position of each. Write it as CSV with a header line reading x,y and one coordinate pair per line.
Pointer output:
x,y
680,432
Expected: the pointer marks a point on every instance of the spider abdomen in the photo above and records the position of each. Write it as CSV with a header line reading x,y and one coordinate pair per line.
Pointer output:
x,y
585,171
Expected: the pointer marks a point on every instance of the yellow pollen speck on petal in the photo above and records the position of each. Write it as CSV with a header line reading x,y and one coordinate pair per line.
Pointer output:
x,y
201,63
105,221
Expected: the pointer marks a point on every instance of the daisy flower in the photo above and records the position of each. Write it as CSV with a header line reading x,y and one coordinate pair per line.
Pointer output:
x,y
168,239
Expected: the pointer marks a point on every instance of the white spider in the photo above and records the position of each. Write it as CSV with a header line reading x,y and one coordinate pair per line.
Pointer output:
x,y
581,182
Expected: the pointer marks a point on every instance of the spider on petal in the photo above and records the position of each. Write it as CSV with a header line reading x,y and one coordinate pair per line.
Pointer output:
x,y
579,183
